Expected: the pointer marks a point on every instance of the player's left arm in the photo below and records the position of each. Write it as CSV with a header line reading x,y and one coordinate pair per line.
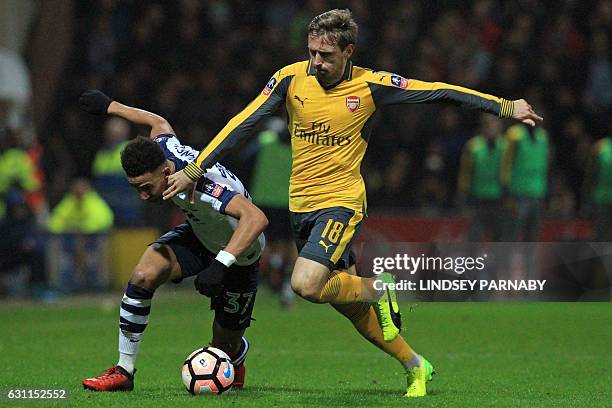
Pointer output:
x,y
97,103
251,223
394,89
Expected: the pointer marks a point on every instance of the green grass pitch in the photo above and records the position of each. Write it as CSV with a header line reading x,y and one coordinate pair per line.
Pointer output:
x,y
501,354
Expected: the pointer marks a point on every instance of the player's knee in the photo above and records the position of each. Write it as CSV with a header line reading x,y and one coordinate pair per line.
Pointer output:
x,y
148,277
306,290
296,284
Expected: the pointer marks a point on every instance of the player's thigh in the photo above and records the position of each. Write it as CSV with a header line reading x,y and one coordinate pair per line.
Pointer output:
x,y
191,256
234,309
156,265
309,277
325,236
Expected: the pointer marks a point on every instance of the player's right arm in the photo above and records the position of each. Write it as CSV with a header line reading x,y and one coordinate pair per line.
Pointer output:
x,y
251,224
96,102
237,130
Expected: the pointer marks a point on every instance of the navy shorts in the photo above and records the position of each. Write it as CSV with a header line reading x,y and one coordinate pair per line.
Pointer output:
x,y
278,228
233,310
325,236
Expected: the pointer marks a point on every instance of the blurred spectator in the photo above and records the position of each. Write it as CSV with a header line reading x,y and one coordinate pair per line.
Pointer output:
x,y
58,168
562,202
270,190
198,61
79,224
572,153
108,175
21,245
395,177
480,180
16,168
598,184
36,199
81,210
598,91
440,163
102,48
525,178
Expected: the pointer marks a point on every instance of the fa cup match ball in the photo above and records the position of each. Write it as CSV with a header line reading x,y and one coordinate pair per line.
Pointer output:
x,y
208,370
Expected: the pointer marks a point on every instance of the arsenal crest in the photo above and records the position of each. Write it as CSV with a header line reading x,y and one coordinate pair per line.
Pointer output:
x,y
352,103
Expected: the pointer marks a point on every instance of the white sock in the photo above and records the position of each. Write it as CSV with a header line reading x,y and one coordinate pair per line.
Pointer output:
x,y
128,351
415,361
133,320
127,361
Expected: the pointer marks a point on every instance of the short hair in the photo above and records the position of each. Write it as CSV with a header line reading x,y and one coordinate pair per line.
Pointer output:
x,y
140,156
336,25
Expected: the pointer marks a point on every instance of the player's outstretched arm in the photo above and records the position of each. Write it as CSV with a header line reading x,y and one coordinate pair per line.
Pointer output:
x,y
394,89
251,223
97,103
159,125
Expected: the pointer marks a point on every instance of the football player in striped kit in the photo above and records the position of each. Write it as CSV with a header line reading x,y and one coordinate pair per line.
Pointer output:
x,y
220,244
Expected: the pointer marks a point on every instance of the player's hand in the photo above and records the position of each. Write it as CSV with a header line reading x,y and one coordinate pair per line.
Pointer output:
x,y
94,101
177,183
209,281
523,112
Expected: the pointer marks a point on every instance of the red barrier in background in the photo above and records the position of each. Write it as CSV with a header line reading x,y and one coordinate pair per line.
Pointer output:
x,y
414,228
410,228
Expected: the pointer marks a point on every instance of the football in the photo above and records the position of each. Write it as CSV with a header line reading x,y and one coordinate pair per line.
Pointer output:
x,y
208,370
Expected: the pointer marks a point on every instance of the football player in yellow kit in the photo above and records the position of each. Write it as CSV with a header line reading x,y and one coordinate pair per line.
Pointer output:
x,y
331,104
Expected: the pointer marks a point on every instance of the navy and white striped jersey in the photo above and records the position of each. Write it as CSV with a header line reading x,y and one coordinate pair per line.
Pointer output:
x,y
214,191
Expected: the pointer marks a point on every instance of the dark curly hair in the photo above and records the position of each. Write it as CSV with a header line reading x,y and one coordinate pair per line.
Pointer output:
x,y
140,156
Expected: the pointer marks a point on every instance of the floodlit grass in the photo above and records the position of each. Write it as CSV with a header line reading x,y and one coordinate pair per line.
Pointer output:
x,y
502,354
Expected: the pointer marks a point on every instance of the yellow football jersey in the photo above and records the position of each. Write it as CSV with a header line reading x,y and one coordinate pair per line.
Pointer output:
x,y
330,127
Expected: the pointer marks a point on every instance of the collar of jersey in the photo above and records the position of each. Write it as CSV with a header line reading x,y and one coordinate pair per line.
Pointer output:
x,y
346,76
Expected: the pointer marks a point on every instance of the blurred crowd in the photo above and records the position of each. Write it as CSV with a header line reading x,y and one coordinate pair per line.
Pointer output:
x,y
200,62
